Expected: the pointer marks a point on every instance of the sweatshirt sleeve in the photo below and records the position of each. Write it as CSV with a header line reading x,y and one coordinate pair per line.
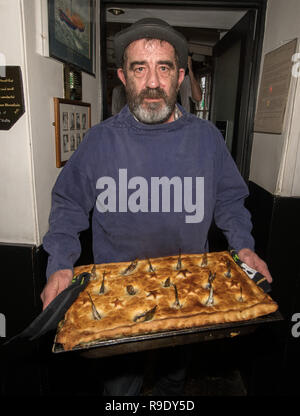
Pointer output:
x,y
230,214
72,200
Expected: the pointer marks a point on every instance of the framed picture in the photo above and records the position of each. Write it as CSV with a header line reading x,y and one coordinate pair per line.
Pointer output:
x,y
71,26
72,120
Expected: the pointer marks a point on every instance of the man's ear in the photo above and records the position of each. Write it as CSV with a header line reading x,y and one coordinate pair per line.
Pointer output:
x,y
181,76
121,76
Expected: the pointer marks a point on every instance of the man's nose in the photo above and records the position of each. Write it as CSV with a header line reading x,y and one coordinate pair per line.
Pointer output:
x,y
153,79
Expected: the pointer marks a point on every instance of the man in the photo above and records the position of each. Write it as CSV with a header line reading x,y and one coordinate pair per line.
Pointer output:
x,y
190,91
112,173
118,99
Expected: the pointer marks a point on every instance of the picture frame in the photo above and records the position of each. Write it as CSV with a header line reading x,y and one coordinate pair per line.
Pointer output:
x,y
71,30
72,121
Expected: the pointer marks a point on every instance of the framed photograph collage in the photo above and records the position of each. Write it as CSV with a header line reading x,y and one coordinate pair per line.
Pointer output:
x,y
72,120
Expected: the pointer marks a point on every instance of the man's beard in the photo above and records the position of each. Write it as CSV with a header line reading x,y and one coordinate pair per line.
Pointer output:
x,y
151,112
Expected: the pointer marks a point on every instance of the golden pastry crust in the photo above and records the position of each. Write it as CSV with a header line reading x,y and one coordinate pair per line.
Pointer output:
x,y
125,299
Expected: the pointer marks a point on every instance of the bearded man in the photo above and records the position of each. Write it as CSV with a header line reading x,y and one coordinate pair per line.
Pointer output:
x,y
113,173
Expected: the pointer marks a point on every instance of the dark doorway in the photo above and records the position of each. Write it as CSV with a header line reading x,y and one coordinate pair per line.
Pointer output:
x,y
231,84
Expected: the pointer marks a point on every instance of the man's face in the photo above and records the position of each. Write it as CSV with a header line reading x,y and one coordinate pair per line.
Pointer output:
x,y
151,79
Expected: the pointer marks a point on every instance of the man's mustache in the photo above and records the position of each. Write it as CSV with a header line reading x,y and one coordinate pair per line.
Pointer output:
x,y
152,93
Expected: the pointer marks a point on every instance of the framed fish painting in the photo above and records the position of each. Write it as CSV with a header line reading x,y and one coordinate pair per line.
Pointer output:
x,y
71,25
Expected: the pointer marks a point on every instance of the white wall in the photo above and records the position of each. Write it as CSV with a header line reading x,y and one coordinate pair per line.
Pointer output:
x,y
17,205
27,163
275,161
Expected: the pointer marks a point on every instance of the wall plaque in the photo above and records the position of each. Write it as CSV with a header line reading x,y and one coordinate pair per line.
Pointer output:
x,y
11,96
274,89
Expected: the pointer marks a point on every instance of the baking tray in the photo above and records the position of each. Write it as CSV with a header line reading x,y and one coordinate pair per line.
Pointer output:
x,y
125,345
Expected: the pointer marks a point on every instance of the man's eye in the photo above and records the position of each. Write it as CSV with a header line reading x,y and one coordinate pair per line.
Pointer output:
x,y
164,68
139,69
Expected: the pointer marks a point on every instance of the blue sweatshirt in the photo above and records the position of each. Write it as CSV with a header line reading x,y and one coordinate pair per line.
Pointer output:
x,y
152,190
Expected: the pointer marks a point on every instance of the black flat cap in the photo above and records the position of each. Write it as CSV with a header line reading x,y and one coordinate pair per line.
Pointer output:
x,y
151,28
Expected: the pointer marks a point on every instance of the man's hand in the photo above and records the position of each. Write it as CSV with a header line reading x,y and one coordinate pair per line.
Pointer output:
x,y
57,282
252,260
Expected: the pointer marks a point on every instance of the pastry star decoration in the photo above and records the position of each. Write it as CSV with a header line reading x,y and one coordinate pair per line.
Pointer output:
x,y
234,283
153,293
117,302
183,271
